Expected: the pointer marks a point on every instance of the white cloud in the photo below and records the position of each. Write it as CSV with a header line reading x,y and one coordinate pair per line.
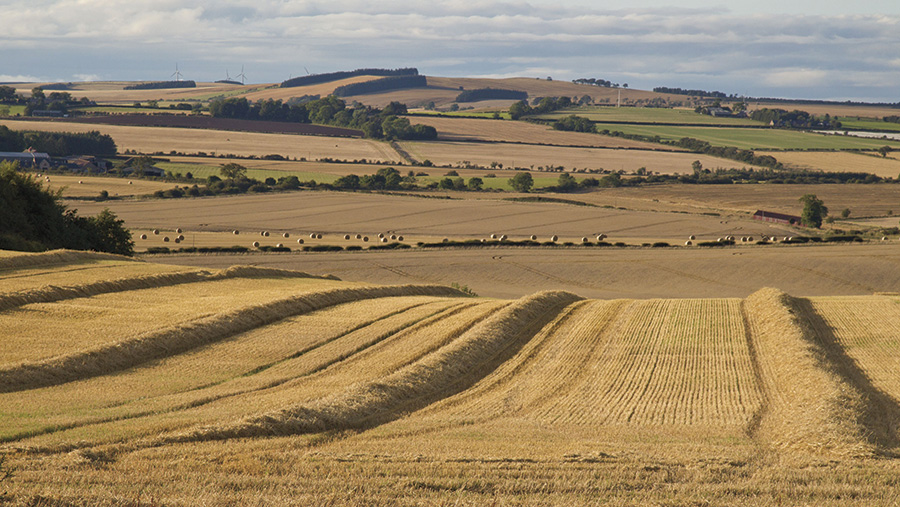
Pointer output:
x,y
706,48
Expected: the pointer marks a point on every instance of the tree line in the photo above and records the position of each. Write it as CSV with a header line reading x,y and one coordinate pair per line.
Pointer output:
x,y
373,122
698,93
162,85
542,105
380,85
58,144
34,219
479,94
336,76
794,119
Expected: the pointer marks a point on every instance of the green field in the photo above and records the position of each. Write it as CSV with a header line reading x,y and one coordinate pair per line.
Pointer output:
x,y
204,171
646,115
752,139
853,123
7,110
504,114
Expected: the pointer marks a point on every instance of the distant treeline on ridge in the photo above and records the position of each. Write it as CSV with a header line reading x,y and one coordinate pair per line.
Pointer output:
x,y
160,85
58,144
490,94
381,85
335,76
699,93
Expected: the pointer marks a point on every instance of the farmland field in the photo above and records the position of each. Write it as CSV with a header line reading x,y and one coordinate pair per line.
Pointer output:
x,y
165,140
257,385
865,162
751,138
75,187
647,115
515,155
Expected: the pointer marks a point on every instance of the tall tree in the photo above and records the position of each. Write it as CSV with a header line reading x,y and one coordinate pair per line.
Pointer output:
x,y
814,211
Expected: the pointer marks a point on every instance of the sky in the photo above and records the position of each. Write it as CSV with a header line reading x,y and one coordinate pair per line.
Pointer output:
x,y
765,48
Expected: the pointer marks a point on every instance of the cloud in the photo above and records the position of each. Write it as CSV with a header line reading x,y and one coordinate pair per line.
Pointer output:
x,y
757,54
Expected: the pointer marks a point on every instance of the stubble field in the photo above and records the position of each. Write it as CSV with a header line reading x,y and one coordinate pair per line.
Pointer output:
x,y
281,387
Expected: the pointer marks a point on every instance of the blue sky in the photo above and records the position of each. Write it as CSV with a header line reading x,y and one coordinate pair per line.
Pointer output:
x,y
803,49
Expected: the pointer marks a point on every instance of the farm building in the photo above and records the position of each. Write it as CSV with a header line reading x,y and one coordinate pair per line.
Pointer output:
x,y
27,159
779,218
86,164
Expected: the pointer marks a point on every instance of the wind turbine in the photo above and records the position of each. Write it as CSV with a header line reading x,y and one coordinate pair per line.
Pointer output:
x,y
241,75
177,73
227,77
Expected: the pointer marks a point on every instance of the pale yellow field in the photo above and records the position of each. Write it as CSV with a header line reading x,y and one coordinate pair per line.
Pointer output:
x,y
418,395
79,186
872,163
336,214
323,89
468,129
832,109
607,272
164,140
515,155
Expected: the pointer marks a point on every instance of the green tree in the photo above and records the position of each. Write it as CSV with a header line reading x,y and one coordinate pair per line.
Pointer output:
x,y
233,171
814,211
884,150
566,182
521,182
476,183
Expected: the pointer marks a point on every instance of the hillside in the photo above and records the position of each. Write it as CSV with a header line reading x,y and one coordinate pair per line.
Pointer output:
x,y
123,373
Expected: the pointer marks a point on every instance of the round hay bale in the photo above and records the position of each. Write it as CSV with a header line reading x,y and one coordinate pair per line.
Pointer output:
x,y
483,240
279,245
80,182
884,238
130,183
312,235
365,238
445,240
266,234
300,241
165,239
393,237
380,236
384,240
346,236
156,232
784,239
399,238
177,240
688,243
180,237
235,232
359,236
719,240
602,237
584,239
533,237
318,236
692,237
493,236
286,235
143,236
178,230
554,238
256,244
503,237
749,238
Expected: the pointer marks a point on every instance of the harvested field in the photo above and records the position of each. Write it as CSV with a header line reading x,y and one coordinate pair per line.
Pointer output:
x,y
210,123
114,92
88,186
336,214
165,140
648,115
607,272
470,129
275,92
516,155
862,162
420,395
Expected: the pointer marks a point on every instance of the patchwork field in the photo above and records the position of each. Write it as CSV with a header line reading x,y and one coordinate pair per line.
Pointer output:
x,y
259,386
217,142
530,156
